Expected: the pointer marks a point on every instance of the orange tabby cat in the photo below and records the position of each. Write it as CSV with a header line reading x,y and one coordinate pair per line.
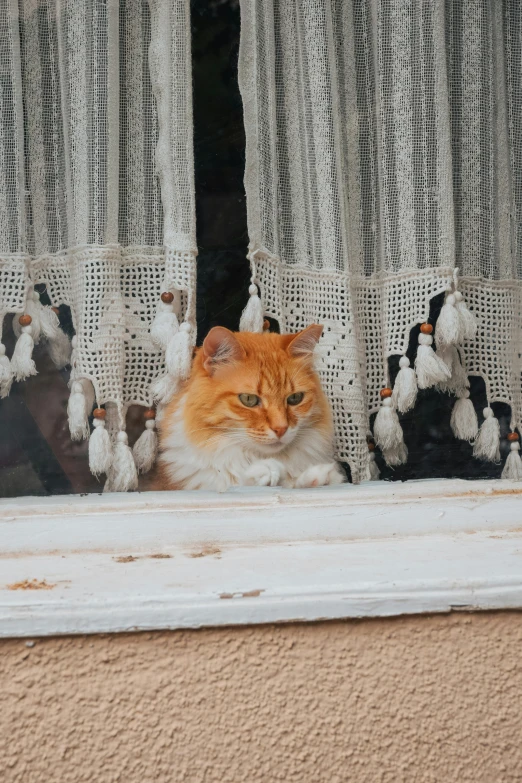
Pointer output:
x,y
252,412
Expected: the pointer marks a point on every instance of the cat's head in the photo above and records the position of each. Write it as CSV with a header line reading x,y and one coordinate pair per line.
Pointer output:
x,y
258,391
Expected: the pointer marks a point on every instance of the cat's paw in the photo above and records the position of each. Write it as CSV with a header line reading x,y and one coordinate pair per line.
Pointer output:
x,y
265,473
320,476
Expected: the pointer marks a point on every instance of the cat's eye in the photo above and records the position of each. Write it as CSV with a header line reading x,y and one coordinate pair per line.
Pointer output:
x,y
295,398
249,400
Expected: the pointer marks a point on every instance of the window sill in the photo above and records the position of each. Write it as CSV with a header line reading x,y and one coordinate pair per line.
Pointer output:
x,y
192,559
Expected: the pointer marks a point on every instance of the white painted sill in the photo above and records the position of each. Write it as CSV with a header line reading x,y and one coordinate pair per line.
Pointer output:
x,y
257,556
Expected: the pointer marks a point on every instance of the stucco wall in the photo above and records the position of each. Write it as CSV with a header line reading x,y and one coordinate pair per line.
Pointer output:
x,y
421,699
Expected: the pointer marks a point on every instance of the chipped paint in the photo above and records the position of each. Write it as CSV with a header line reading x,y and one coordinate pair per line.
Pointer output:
x,y
206,551
239,594
31,584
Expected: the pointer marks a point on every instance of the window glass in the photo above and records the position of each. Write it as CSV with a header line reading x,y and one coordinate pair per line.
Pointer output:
x,y
37,456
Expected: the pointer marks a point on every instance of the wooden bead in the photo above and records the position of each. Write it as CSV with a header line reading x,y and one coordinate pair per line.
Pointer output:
x,y
371,446
385,393
266,325
56,310
426,328
150,413
512,436
99,413
167,297
25,320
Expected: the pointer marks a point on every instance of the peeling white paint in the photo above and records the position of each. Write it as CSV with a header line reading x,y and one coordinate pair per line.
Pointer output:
x,y
166,560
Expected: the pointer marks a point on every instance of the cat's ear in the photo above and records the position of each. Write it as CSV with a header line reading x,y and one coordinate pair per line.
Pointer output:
x,y
221,347
303,343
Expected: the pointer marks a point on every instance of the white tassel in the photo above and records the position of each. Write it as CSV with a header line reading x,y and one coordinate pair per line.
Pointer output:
x,y
178,357
146,447
513,467
122,476
468,322
88,390
405,388
49,322
165,324
22,365
32,308
77,413
59,345
6,372
487,444
387,429
100,446
448,330
396,456
252,318
458,381
429,367
373,468
74,355
60,350
164,388
464,419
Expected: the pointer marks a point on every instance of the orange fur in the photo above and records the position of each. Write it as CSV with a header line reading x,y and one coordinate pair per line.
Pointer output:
x,y
271,366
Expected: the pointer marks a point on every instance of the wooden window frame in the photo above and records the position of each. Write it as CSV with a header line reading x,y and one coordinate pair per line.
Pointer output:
x,y
110,563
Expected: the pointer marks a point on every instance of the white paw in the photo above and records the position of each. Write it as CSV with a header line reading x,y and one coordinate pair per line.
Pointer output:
x,y
320,476
265,473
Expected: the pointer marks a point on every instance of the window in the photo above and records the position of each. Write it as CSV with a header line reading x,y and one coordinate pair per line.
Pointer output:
x,y
37,454
250,555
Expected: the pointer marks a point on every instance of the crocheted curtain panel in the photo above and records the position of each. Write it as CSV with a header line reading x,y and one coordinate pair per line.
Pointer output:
x,y
97,203
384,167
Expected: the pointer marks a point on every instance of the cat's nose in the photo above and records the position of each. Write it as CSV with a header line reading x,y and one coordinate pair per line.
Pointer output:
x,y
280,431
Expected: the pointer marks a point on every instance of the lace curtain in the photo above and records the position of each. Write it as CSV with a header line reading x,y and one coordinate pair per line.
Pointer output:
x,y
384,167
97,204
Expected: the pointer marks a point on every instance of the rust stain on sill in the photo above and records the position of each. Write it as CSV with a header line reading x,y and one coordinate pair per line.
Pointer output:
x,y
125,559
31,584
160,556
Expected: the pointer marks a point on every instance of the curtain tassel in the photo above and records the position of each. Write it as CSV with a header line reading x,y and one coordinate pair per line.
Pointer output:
x,y
458,381
387,429
146,447
463,418
79,408
22,364
468,322
122,475
100,445
59,345
398,455
513,467
252,318
429,367
178,357
163,389
6,373
487,444
405,387
165,324
32,309
373,467
448,331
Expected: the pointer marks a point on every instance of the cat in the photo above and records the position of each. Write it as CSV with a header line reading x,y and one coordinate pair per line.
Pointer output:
x,y
252,413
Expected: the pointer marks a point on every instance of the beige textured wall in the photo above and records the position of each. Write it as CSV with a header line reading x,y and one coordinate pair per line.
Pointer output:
x,y
423,699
